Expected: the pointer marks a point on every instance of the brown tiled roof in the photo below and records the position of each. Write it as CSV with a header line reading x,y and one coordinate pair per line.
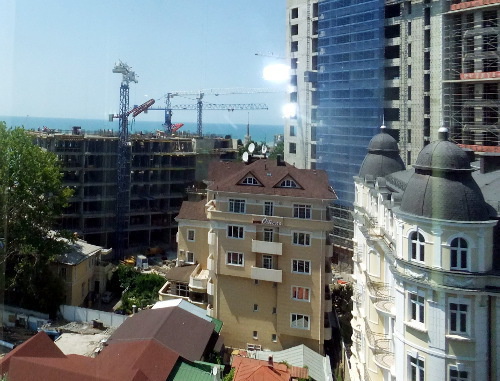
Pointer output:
x,y
39,359
174,328
247,369
227,177
180,274
193,210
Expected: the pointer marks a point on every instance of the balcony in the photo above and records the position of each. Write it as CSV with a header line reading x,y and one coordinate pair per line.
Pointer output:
x,y
265,247
210,287
269,275
381,347
211,263
198,280
381,295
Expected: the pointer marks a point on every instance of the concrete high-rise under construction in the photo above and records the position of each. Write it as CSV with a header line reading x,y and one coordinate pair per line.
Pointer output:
x,y
412,65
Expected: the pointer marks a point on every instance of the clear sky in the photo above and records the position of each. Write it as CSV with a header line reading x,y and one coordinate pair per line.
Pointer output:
x,y
58,55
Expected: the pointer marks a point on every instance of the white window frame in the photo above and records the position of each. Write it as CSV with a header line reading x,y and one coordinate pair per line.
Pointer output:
x,y
462,373
250,180
416,307
268,208
237,205
416,368
269,234
232,261
459,317
267,261
235,231
298,291
305,321
302,211
304,263
457,254
189,254
417,246
298,237
189,233
288,183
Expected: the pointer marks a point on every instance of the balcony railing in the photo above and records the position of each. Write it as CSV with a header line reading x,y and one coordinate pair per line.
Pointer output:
x,y
381,346
198,279
265,247
269,275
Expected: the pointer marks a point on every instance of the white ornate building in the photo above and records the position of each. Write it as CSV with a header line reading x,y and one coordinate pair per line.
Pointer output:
x,y
426,265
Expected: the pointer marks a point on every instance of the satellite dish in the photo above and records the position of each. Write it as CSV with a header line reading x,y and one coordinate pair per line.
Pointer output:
x,y
245,157
251,147
264,149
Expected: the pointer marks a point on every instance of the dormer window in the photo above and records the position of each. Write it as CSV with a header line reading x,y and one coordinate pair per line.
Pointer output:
x,y
288,184
250,180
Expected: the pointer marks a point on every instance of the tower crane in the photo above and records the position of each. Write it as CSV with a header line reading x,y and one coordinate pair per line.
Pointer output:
x,y
210,106
123,191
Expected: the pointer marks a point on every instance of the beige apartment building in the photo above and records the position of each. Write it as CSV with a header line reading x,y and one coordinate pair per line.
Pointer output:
x,y
256,254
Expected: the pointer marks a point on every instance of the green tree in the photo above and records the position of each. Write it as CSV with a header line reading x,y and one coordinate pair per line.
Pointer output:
x,y
278,149
32,198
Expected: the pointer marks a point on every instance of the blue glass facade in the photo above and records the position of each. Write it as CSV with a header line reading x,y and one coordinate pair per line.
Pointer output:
x,y
350,85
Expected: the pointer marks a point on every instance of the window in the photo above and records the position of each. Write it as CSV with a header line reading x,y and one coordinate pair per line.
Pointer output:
x,y
458,375
459,253
234,231
301,293
417,246
292,148
235,259
267,261
294,29
189,257
295,13
250,181
417,369
63,273
236,206
274,310
255,335
288,184
417,304
299,321
274,338
292,130
255,307
300,266
458,318
303,239
190,235
302,211
269,235
268,208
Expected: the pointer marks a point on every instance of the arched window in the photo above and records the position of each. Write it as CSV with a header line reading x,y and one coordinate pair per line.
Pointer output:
x,y
459,254
417,247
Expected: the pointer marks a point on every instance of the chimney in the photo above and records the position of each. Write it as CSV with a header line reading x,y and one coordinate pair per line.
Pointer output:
x,y
279,162
270,362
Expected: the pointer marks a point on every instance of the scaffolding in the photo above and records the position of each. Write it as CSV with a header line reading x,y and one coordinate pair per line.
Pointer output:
x,y
472,73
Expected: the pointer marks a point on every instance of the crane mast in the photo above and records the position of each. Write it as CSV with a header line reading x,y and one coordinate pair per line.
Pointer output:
x,y
123,162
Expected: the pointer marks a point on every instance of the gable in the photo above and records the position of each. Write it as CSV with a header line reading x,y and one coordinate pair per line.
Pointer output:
x,y
288,182
250,179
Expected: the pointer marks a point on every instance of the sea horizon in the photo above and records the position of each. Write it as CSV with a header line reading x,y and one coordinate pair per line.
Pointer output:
x,y
258,132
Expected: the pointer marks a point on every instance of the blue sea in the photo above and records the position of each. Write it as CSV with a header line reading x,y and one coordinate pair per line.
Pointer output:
x,y
259,133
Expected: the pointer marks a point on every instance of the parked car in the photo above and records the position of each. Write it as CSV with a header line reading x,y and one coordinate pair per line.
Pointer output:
x,y
107,296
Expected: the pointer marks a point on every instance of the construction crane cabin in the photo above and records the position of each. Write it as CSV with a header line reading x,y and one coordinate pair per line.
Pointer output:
x,y
124,154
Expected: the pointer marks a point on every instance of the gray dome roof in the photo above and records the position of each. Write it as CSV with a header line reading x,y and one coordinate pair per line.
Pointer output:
x,y
442,186
383,156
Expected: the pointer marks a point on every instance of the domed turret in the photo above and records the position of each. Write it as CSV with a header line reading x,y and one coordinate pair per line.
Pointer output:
x,y
442,186
383,156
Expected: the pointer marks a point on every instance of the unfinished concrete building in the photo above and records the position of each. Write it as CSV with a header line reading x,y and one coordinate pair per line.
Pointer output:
x,y
162,168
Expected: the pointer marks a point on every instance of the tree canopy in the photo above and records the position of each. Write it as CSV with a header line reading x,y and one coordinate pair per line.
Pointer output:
x,y
32,197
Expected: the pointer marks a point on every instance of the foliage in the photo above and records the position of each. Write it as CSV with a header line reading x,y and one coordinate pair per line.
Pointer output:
x,y
278,149
341,297
138,288
32,197
229,376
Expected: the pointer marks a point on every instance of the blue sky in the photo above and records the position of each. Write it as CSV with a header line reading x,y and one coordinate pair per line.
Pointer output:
x,y
58,55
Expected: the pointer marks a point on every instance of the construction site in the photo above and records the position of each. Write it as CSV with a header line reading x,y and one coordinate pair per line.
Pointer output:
x,y
128,188
472,74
